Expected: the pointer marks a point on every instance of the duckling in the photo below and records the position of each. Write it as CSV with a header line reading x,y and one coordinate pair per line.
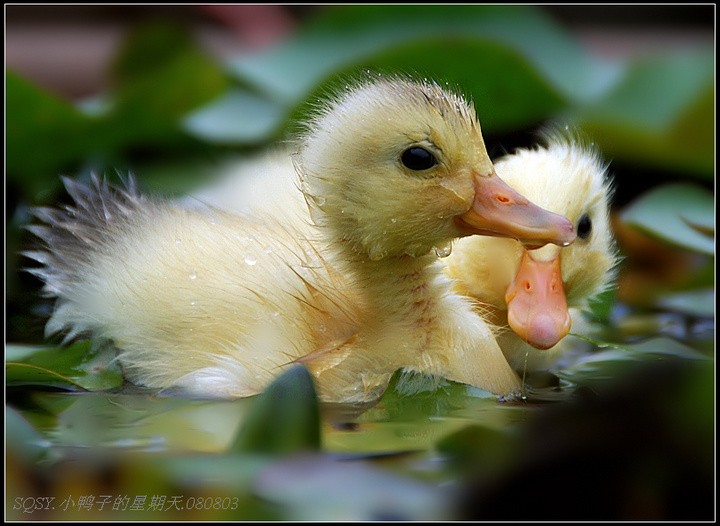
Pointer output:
x,y
567,160
539,293
218,303
263,183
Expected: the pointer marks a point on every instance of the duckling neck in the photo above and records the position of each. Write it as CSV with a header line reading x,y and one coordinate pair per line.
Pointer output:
x,y
401,287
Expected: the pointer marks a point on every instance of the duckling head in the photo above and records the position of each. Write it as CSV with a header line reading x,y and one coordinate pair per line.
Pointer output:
x,y
569,178
395,167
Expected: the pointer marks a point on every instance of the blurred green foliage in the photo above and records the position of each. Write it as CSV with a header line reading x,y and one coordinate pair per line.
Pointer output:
x,y
170,99
285,419
681,214
75,366
173,113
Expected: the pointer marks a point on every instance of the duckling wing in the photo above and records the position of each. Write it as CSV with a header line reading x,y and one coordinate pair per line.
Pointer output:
x,y
466,351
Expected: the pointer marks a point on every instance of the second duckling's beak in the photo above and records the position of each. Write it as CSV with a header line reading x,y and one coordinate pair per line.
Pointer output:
x,y
537,305
498,210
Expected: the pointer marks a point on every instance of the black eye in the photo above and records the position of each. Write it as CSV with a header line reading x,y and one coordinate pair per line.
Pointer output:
x,y
417,159
584,227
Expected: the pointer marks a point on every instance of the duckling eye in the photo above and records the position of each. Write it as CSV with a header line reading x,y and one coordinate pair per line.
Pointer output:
x,y
418,159
584,227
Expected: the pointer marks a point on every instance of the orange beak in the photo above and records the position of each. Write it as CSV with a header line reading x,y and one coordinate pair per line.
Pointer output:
x,y
500,211
537,306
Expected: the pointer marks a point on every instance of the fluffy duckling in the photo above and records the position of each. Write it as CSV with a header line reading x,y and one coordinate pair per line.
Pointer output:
x,y
539,293
218,303
264,183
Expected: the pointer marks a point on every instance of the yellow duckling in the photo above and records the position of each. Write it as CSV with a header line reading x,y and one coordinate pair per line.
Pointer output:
x,y
539,293
218,303
264,183
486,267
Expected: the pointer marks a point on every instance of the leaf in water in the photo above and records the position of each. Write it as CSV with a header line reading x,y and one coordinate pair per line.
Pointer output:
x,y
23,440
21,353
616,453
696,302
75,365
657,89
161,71
148,47
661,113
694,133
319,488
284,419
185,424
602,366
666,347
148,111
230,471
508,91
665,211
17,374
45,135
132,422
236,117
416,411
601,305
480,449
499,45
160,75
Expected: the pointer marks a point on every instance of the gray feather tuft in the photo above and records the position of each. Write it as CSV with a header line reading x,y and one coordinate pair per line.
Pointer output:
x,y
69,236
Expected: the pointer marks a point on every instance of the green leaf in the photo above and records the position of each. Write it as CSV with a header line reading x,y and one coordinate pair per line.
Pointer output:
x,y
657,89
516,62
23,442
284,419
605,365
416,411
161,76
477,448
696,302
321,488
231,471
668,213
67,367
44,136
17,374
150,46
507,90
236,117
661,113
601,305
159,81
342,35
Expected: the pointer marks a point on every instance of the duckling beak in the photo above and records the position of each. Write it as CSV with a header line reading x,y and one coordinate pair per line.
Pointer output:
x,y
537,306
498,210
